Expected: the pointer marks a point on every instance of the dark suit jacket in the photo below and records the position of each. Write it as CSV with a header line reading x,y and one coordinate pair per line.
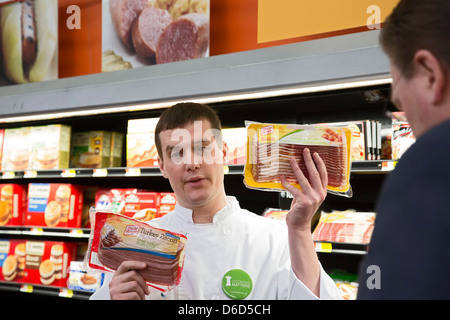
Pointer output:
x,y
411,238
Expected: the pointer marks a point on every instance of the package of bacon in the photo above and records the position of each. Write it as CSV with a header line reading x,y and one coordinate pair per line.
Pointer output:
x,y
116,238
270,146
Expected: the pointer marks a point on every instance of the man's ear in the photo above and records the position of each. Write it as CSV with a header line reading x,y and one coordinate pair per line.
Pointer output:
x,y
433,74
161,167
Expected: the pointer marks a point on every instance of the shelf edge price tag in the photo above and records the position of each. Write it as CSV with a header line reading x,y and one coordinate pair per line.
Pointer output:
x,y
388,165
8,174
323,247
36,231
26,288
65,293
30,174
76,233
69,173
100,172
132,172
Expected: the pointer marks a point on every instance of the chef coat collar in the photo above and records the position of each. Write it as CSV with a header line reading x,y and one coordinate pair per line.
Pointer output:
x,y
185,214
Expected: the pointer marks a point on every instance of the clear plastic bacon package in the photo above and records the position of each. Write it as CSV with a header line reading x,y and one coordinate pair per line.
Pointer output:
x,y
116,238
270,146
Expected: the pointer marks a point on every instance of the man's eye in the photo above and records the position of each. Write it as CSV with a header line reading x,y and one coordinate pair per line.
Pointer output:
x,y
177,153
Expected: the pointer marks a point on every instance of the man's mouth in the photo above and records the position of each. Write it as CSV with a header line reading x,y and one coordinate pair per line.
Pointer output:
x,y
194,179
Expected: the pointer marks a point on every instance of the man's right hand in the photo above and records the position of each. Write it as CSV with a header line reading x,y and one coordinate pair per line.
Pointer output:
x,y
127,283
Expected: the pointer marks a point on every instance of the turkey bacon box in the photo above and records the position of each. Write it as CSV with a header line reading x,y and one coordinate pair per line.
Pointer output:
x,y
116,238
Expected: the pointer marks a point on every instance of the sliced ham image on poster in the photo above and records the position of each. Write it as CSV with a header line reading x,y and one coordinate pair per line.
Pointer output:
x,y
29,41
137,33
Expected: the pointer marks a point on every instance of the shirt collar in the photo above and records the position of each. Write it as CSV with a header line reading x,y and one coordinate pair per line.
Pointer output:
x,y
185,214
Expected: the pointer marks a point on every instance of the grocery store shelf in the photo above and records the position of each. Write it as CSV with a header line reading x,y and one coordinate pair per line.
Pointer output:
x,y
306,66
374,166
70,233
15,288
340,247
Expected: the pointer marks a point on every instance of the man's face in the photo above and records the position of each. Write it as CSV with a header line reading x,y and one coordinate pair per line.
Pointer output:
x,y
193,162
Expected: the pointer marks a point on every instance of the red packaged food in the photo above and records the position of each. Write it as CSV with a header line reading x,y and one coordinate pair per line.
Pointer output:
x,y
116,238
54,205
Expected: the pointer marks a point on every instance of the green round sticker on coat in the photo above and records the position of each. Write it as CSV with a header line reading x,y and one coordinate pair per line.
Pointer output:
x,y
237,284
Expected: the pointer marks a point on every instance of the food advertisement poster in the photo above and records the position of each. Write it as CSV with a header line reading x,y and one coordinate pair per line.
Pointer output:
x,y
146,32
53,39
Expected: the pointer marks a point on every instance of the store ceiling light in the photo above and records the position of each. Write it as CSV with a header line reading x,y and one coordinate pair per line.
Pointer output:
x,y
205,100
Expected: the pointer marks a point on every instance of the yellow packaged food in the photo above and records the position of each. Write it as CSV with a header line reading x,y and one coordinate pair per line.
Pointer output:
x,y
270,146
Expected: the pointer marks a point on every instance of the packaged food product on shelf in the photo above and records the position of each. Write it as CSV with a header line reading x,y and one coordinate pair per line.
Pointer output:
x,y
115,238
38,148
236,142
80,279
141,148
35,262
142,205
402,135
16,149
276,214
270,147
166,202
91,149
12,260
13,199
345,226
54,205
116,149
50,147
47,262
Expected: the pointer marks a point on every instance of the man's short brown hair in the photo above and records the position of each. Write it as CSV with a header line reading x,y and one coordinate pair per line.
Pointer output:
x,y
415,25
182,114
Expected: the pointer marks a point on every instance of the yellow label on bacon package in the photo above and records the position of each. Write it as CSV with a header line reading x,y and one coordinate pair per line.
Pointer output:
x,y
271,146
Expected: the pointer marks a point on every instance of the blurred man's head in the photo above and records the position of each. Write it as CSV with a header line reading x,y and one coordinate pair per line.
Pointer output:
x,y
417,40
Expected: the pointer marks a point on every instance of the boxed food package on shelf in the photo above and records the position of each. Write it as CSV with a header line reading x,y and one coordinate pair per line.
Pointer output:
x,y
402,135
142,205
13,201
345,226
236,142
91,149
47,262
16,149
12,260
80,279
116,149
276,214
2,136
141,148
54,205
115,238
35,262
166,203
50,147
271,146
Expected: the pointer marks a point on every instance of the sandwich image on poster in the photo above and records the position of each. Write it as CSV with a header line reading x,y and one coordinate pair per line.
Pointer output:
x,y
29,41
138,33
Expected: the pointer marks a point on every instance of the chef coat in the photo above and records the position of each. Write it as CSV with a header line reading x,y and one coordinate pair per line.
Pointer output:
x,y
236,239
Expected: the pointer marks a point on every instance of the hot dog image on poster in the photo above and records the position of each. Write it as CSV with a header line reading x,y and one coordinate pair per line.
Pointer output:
x,y
138,33
29,41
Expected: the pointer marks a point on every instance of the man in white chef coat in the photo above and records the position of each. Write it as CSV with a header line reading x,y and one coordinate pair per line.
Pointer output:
x,y
228,245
